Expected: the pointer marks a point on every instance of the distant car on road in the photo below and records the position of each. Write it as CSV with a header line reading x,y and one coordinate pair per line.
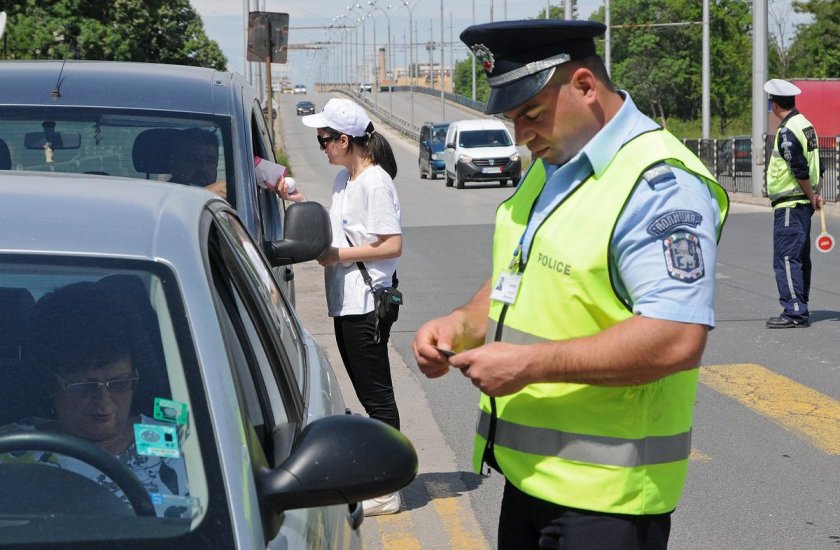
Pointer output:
x,y
365,88
431,157
229,391
299,89
480,150
305,108
735,155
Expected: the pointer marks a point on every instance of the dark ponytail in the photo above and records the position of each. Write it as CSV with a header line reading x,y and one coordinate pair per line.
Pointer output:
x,y
377,149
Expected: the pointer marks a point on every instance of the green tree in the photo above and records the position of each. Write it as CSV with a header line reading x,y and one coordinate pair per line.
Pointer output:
x,y
815,51
463,80
659,62
162,31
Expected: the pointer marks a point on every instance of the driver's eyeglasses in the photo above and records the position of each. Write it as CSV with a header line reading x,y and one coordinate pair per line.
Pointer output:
x,y
114,385
323,140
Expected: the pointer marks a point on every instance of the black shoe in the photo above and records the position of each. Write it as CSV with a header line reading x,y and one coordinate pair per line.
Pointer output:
x,y
787,322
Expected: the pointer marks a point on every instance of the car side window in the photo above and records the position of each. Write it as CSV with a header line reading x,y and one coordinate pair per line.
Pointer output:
x,y
268,324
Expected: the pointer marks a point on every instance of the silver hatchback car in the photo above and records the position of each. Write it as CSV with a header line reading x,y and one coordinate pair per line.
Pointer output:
x,y
156,388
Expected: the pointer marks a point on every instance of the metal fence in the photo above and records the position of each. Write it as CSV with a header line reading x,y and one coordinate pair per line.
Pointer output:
x,y
730,161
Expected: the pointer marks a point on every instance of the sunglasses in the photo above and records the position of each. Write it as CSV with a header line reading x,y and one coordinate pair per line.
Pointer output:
x,y
322,141
115,385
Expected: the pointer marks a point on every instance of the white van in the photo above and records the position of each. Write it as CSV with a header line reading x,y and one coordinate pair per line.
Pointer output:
x,y
480,150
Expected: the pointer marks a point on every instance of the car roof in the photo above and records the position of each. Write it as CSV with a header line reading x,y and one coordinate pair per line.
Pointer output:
x,y
96,215
478,124
116,84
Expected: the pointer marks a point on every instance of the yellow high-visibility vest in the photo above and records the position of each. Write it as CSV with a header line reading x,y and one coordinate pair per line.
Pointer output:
x,y
611,449
782,187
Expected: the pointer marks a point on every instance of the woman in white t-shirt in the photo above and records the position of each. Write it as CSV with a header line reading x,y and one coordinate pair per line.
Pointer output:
x,y
365,217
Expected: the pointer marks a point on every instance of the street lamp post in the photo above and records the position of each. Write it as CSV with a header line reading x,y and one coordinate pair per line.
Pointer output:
x,y
361,19
411,67
372,4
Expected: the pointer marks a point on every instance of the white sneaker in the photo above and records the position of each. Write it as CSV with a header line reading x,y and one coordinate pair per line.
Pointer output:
x,y
387,504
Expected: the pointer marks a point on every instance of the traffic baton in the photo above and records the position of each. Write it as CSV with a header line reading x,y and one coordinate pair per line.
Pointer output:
x,y
825,242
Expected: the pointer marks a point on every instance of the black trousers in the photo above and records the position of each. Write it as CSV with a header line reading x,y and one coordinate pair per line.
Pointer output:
x,y
528,522
367,364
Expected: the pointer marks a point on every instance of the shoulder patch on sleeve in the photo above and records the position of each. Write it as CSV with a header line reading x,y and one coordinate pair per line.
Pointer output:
x,y
683,257
672,219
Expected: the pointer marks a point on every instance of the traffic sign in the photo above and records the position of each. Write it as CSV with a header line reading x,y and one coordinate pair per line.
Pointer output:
x,y
824,242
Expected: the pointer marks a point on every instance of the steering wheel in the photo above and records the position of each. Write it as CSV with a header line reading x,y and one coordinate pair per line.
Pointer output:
x,y
88,453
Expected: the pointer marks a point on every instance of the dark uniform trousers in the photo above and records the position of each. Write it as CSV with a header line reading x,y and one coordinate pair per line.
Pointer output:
x,y
792,258
529,522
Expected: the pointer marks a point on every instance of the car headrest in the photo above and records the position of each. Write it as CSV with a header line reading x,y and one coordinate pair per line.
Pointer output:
x,y
5,156
152,151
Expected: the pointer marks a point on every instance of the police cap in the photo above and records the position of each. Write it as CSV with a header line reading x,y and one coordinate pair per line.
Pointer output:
x,y
519,57
781,88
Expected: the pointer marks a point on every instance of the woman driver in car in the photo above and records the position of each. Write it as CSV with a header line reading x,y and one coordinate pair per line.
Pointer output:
x,y
85,345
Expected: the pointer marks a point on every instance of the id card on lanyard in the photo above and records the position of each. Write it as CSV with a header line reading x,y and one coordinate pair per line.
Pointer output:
x,y
507,285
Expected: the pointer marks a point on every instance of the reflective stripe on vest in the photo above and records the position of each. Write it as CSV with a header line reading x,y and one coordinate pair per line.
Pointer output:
x,y
782,186
609,451
603,448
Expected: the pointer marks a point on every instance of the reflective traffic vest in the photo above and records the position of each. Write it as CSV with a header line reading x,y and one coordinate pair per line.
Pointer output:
x,y
611,449
782,186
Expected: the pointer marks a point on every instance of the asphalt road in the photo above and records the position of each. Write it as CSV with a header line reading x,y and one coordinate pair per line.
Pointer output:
x,y
765,469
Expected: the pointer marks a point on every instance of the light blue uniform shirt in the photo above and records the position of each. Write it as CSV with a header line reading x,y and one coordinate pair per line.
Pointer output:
x,y
640,258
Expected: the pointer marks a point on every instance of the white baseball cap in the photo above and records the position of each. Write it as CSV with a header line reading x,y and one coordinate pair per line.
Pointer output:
x,y
342,115
781,88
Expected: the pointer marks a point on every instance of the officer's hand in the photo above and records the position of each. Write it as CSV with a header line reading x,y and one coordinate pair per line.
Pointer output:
x,y
818,202
442,333
496,369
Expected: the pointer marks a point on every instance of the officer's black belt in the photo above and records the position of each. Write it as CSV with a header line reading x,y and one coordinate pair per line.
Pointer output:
x,y
789,198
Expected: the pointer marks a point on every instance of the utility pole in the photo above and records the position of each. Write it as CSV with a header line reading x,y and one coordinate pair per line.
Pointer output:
x,y
759,107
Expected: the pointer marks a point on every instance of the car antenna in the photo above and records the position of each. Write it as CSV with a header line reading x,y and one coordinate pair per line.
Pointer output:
x,y
56,93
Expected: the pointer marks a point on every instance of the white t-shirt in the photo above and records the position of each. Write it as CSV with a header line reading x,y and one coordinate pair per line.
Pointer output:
x,y
361,209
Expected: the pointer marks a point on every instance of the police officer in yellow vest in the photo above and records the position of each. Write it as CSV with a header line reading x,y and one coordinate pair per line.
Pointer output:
x,y
586,340
793,173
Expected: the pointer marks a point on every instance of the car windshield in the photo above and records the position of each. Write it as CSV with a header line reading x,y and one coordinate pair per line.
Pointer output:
x,y
484,138
94,356
157,146
439,135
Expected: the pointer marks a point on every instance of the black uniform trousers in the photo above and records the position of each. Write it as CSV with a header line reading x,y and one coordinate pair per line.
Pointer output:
x,y
528,522
792,258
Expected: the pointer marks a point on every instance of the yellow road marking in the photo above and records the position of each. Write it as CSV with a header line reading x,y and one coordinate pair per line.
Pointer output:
x,y
801,409
397,531
699,456
463,533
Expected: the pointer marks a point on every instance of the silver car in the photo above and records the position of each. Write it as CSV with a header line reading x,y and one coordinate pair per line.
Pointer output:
x,y
156,388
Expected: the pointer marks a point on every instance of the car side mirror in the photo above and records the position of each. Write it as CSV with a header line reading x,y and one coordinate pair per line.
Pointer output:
x,y
340,460
450,145
307,234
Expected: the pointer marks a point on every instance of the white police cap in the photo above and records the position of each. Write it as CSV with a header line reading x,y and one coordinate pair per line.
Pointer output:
x,y
781,88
